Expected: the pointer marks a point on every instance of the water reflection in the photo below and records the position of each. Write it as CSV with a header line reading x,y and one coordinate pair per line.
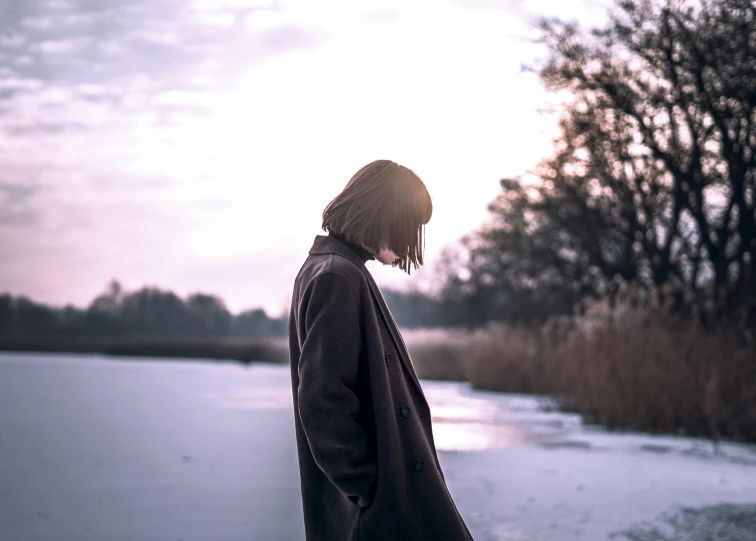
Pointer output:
x,y
463,419
465,422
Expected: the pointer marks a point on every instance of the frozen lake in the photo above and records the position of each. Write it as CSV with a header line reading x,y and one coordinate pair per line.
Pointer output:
x,y
106,449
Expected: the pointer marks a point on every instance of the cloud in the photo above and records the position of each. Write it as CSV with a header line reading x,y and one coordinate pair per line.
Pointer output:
x,y
217,18
288,37
90,161
40,24
53,128
384,15
170,41
103,65
588,12
193,143
59,5
16,204
488,4
61,46
12,40
11,82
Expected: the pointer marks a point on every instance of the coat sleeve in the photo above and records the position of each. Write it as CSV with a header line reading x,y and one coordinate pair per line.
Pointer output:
x,y
328,405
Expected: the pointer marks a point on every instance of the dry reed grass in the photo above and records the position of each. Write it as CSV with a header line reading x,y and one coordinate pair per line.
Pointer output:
x,y
626,366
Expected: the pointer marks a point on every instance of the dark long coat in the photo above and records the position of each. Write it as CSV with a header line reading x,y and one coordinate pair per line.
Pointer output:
x,y
368,464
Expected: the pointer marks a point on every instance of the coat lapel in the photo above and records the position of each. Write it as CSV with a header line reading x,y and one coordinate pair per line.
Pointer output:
x,y
394,330
329,245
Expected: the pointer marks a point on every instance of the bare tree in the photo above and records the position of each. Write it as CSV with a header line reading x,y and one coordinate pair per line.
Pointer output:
x,y
652,179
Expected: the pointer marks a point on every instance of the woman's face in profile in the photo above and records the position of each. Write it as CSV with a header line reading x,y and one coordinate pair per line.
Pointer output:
x,y
386,256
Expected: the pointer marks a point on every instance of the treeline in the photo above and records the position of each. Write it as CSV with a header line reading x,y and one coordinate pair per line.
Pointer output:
x,y
152,313
415,310
116,314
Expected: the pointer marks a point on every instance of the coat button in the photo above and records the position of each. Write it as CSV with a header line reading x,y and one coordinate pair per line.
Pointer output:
x,y
388,359
418,463
405,410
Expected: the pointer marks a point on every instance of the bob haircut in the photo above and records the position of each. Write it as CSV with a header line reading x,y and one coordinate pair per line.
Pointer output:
x,y
384,205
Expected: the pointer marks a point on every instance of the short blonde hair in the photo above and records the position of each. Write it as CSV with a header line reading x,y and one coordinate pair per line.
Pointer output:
x,y
384,205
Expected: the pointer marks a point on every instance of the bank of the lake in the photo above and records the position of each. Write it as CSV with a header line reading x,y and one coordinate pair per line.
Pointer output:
x,y
240,349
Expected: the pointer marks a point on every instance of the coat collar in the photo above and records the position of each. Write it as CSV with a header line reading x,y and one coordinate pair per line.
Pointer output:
x,y
329,245
364,254
326,244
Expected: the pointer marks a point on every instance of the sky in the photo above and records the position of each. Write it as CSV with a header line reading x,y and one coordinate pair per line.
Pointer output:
x,y
192,145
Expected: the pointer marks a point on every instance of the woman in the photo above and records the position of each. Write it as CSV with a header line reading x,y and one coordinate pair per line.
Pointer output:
x,y
367,460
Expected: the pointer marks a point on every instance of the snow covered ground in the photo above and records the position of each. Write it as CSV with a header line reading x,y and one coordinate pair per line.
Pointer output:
x,y
544,476
105,449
